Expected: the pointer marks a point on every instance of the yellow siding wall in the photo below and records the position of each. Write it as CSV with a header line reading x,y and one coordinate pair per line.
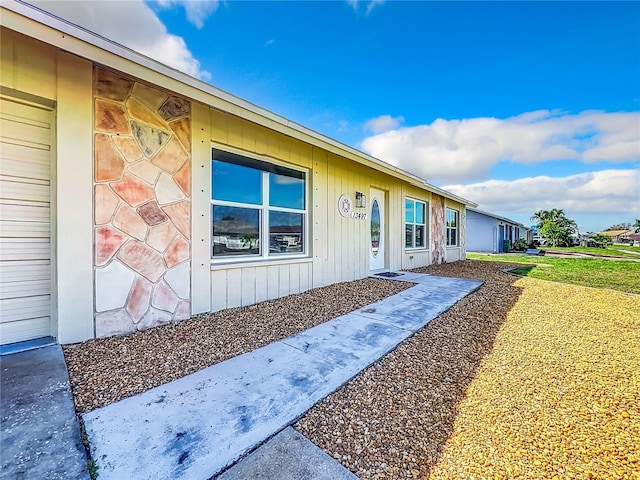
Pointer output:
x,y
27,65
419,257
453,254
339,246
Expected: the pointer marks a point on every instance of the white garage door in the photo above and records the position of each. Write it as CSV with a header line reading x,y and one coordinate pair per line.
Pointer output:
x,y
25,221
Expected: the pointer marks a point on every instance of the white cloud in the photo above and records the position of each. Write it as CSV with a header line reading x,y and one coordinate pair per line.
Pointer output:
x,y
197,11
464,150
604,191
383,123
355,4
132,24
372,4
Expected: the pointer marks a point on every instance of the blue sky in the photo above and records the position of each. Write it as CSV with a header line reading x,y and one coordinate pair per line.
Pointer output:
x,y
517,106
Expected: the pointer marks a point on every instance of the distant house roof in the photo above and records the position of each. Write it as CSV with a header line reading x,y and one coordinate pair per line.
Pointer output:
x,y
617,233
497,217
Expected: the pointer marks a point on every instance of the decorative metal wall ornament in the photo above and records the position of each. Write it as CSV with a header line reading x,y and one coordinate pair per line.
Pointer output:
x,y
345,205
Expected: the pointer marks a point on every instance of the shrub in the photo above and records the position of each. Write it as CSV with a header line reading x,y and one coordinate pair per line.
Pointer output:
x,y
601,241
520,245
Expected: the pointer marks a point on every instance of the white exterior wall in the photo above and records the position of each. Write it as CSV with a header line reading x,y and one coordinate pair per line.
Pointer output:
x,y
481,233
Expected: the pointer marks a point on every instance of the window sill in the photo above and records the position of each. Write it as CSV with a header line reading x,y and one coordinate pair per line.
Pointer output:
x,y
254,262
416,250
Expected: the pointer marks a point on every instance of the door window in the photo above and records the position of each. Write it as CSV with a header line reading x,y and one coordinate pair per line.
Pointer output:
x,y
375,227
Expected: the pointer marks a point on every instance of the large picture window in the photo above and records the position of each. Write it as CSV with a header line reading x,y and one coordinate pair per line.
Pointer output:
x,y
415,226
258,209
452,227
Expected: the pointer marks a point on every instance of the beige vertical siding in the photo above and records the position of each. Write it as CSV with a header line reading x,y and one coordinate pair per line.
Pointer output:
x,y
28,65
238,286
413,258
338,246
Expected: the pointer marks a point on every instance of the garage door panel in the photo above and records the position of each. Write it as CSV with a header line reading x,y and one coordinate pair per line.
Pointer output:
x,y
26,213
21,112
24,170
18,331
24,270
25,230
24,134
24,191
25,221
29,288
24,161
12,309
24,249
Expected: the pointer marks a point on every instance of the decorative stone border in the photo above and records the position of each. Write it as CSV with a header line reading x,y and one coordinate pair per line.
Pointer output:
x,y
142,205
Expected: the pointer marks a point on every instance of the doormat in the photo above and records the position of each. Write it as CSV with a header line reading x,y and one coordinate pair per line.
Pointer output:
x,y
389,274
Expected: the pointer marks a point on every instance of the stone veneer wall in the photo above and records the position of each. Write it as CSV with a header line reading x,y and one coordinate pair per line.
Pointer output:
x,y
438,230
142,207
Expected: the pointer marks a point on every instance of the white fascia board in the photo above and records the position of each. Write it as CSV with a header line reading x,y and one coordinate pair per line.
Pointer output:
x,y
42,25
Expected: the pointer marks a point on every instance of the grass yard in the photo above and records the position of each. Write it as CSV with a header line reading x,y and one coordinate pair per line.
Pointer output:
x,y
611,251
589,272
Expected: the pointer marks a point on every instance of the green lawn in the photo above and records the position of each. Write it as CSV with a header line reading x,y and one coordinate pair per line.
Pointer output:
x,y
611,251
619,275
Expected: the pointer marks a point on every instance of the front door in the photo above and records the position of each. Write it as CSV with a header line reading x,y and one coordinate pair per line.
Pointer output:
x,y
377,240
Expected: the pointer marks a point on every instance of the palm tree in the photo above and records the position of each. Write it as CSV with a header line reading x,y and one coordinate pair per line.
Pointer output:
x,y
555,227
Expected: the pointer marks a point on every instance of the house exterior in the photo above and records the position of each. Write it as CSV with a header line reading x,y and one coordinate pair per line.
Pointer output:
x,y
487,232
134,195
634,239
619,236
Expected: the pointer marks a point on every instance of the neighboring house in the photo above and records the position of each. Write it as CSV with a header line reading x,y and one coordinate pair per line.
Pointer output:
x,y
134,195
634,239
487,232
619,236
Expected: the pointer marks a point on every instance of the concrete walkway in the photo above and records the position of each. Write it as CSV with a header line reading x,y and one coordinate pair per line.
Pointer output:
x,y
39,435
195,427
288,456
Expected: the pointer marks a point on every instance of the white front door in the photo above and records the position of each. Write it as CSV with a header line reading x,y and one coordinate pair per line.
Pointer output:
x,y
377,240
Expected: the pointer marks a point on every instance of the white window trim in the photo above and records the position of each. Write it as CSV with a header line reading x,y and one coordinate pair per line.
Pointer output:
x,y
263,208
457,228
427,229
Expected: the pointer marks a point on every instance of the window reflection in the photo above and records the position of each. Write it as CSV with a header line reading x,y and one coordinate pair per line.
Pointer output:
x,y
452,227
236,231
415,224
375,227
236,183
285,232
408,235
258,208
286,191
408,211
